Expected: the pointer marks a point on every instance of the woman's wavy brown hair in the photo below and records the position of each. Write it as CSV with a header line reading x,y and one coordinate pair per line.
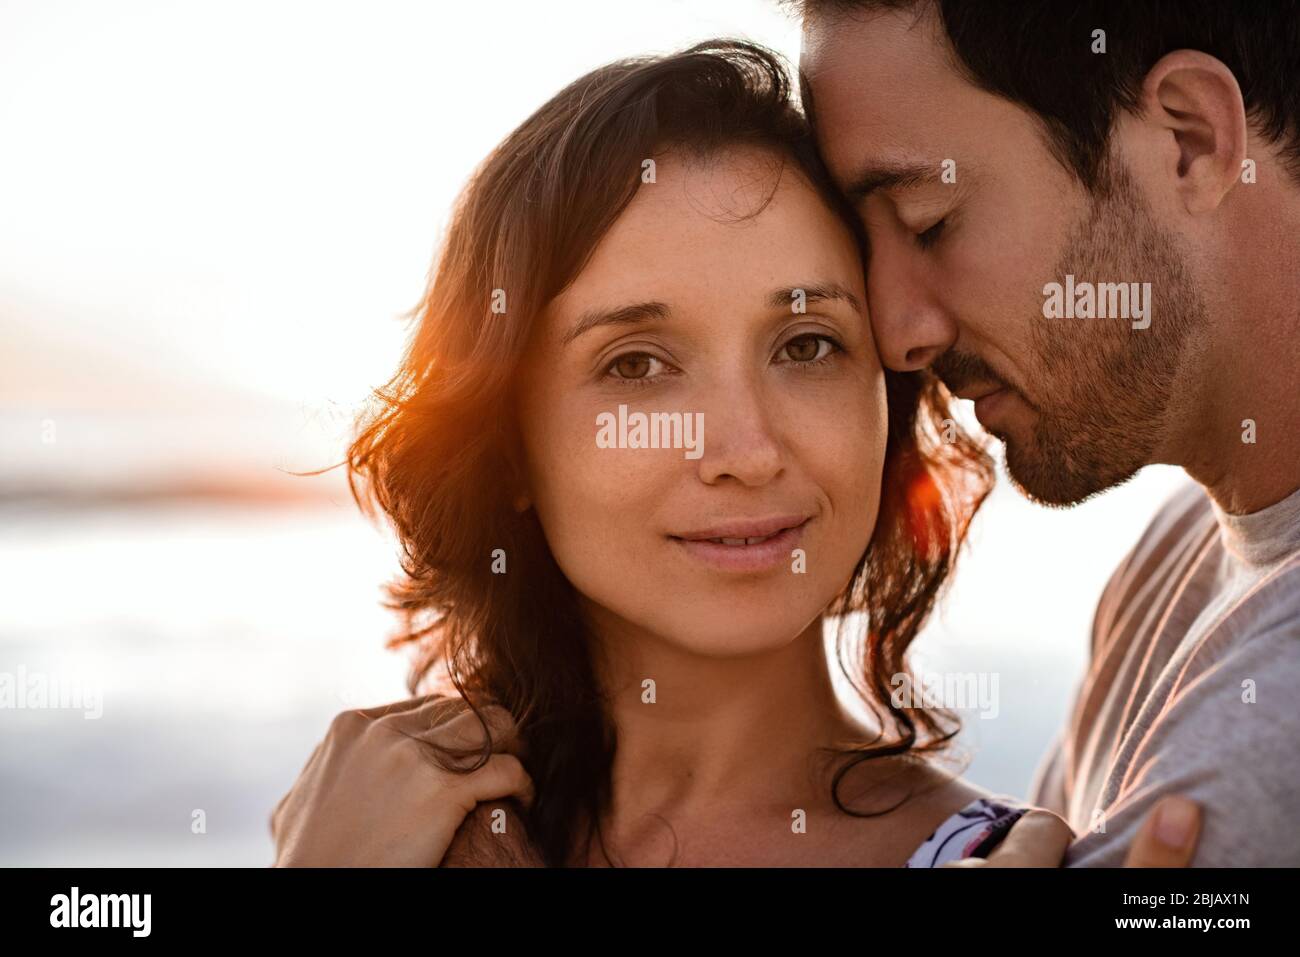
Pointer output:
x,y
438,451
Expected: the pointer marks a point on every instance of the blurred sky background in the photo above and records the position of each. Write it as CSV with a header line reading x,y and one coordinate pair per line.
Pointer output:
x,y
211,217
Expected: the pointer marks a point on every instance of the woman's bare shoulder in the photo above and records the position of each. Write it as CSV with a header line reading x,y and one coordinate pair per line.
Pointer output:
x,y
940,792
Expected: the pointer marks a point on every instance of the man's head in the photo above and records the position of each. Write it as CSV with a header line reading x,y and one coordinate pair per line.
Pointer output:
x,y
1008,162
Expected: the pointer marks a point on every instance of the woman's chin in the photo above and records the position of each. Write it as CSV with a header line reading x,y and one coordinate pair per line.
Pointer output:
x,y
737,632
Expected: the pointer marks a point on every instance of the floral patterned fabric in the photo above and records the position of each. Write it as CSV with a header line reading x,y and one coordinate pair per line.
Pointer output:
x,y
972,832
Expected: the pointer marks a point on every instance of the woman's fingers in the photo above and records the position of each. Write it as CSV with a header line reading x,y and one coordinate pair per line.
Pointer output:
x,y
1167,838
1038,839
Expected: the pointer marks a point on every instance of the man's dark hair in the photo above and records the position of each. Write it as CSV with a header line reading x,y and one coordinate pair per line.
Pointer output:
x,y
1038,54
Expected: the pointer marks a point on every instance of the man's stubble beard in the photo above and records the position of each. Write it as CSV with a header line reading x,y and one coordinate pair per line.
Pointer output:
x,y
1103,390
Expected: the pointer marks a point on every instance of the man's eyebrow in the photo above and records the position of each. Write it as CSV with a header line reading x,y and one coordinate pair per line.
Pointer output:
x,y
814,292
874,178
624,315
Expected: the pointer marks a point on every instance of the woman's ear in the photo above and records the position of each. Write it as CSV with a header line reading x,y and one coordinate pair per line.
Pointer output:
x,y
1195,97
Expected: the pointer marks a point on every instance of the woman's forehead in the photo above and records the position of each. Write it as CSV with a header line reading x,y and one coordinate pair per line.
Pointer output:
x,y
721,226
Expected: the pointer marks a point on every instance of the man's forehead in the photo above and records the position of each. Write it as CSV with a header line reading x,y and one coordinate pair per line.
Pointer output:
x,y
879,42
882,90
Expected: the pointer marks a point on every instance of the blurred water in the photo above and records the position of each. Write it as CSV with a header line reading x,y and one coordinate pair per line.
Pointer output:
x,y
224,638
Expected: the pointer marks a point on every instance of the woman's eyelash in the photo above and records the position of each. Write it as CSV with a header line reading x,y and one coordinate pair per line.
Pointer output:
x,y
930,236
634,381
648,379
836,347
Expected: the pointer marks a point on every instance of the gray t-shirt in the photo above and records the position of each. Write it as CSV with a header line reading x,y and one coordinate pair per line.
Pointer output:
x,y
1194,689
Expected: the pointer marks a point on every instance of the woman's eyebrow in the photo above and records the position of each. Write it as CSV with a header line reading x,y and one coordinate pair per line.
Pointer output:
x,y
624,315
814,292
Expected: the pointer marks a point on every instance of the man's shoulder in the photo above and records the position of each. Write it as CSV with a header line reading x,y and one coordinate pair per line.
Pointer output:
x,y
1187,511
1270,609
1229,739
1170,539
1270,606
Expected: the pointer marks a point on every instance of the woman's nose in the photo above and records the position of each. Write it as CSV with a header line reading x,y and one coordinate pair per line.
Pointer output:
x,y
740,441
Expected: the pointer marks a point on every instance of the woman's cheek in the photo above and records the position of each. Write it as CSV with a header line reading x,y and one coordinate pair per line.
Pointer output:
x,y
853,456
595,503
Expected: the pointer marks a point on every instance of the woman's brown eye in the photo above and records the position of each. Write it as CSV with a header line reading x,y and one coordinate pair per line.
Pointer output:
x,y
803,349
632,366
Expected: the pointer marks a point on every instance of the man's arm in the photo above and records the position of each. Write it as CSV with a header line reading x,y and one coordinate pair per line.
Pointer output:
x,y
1230,741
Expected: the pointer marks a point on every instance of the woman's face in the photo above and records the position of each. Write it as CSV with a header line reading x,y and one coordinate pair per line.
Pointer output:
x,y
735,540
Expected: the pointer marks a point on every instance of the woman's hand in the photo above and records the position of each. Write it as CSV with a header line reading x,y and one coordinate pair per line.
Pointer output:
x,y
372,793
1167,838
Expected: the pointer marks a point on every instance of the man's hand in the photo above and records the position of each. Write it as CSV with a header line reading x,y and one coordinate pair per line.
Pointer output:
x,y
1167,838
372,793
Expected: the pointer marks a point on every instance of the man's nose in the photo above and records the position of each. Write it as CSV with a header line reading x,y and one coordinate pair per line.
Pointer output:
x,y
911,325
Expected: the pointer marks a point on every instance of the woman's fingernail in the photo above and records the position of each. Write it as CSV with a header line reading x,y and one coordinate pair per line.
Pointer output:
x,y
1174,822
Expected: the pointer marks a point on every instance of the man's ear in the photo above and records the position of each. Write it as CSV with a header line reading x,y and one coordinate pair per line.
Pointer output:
x,y
1196,98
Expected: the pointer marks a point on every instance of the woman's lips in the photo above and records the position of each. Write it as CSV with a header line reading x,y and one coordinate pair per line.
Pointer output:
x,y
745,546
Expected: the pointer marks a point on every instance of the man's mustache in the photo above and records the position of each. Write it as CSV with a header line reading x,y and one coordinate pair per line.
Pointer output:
x,y
958,370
